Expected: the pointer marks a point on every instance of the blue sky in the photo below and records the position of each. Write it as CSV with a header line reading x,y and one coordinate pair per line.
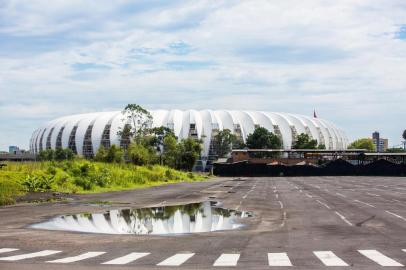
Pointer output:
x,y
346,59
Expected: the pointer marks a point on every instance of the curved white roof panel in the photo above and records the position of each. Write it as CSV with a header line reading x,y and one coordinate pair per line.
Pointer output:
x,y
71,130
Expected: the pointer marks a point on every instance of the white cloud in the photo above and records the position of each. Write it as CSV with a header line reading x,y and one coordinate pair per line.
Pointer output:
x,y
340,57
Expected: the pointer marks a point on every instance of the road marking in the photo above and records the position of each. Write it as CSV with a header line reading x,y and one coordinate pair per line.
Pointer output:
x,y
370,205
317,186
42,253
404,250
393,214
277,196
283,219
281,204
278,259
329,258
372,194
127,258
322,203
80,257
4,250
379,258
308,195
227,260
176,259
245,196
341,195
343,218
300,190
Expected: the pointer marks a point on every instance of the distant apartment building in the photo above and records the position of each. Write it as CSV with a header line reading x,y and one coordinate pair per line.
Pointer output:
x,y
12,149
381,144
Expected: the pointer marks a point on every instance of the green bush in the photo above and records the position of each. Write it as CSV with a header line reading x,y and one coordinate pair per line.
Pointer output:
x,y
84,183
38,182
86,176
9,190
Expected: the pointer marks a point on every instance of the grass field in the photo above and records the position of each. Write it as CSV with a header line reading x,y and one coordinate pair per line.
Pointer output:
x,y
83,176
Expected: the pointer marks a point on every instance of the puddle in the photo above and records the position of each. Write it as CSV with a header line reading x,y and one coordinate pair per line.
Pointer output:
x,y
167,220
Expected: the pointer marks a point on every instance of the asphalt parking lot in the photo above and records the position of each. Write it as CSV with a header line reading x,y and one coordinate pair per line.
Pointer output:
x,y
298,222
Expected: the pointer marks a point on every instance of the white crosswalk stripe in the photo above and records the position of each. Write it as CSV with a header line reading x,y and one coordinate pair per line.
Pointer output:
x,y
127,258
227,260
42,253
4,250
80,257
279,259
328,258
379,258
176,259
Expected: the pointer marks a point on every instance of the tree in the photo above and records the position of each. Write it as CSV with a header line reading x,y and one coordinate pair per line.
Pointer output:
x,y
170,151
395,150
156,139
224,141
139,120
101,154
321,146
63,154
141,154
47,154
364,143
303,141
261,138
115,154
187,153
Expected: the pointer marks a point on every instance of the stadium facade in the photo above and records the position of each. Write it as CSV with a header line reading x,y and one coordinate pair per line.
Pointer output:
x,y
84,133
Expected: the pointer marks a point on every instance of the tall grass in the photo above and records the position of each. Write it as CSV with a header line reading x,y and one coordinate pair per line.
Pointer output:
x,y
83,176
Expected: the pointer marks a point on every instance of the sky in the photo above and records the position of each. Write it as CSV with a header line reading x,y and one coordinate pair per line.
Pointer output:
x,y
345,59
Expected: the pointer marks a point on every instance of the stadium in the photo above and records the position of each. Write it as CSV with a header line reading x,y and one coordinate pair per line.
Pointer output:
x,y
85,133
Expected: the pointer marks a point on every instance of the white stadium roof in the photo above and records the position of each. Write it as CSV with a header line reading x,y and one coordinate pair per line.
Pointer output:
x,y
84,133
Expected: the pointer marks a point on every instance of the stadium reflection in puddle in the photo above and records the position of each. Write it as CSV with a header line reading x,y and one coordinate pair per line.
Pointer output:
x,y
178,219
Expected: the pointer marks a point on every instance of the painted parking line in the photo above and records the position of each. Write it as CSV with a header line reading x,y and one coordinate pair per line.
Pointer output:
x,y
322,203
379,258
373,194
328,258
227,260
77,258
4,250
42,253
368,204
176,259
308,195
280,204
343,218
396,215
279,259
341,195
127,258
